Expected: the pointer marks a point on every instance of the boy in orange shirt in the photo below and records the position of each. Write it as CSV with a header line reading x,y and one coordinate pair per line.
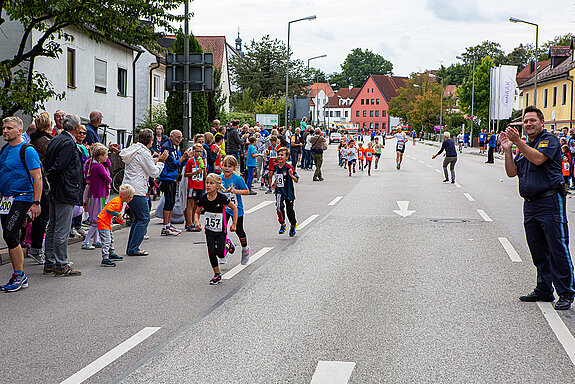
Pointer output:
x,y
360,152
104,222
369,151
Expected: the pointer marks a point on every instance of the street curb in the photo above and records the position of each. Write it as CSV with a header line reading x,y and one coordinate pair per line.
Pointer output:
x,y
5,257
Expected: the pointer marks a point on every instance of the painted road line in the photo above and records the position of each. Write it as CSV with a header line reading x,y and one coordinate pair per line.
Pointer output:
x,y
334,201
238,268
422,162
307,221
468,197
438,171
259,206
457,185
559,328
332,372
513,255
428,165
484,215
100,363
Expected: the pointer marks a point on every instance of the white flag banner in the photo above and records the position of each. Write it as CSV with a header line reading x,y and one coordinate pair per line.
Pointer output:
x,y
506,86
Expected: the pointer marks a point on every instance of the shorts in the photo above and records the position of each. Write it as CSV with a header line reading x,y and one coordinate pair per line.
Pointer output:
x,y
350,162
482,143
12,222
402,150
195,193
378,155
168,187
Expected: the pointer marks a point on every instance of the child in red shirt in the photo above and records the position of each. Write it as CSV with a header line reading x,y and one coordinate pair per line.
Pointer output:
x,y
195,171
272,156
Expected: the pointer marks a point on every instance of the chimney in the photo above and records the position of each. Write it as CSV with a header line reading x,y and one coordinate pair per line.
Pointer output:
x,y
531,66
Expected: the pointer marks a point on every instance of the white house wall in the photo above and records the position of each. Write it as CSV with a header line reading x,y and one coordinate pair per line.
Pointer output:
x,y
143,87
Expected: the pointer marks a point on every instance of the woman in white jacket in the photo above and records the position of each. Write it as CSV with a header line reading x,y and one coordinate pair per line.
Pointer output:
x,y
140,166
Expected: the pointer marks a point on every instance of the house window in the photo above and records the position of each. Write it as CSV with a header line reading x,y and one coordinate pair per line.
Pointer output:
x,y
564,101
372,101
545,97
377,101
364,113
330,113
362,101
383,113
370,113
554,96
356,113
156,88
122,81
367,101
326,114
383,126
71,68
347,114
121,138
363,125
100,75
337,113
526,99
377,113
370,125
376,125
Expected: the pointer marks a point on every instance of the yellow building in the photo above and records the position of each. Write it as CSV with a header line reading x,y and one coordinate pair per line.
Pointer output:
x,y
554,89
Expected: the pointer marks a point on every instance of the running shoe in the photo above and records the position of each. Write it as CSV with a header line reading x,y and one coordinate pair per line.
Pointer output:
x,y
216,280
190,228
114,256
74,233
37,255
81,231
293,230
48,269
97,245
88,246
282,229
230,245
169,232
376,167
245,256
146,237
107,263
224,260
175,229
269,192
16,283
398,166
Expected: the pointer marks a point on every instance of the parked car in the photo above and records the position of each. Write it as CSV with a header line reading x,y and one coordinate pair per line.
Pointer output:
x,y
334,137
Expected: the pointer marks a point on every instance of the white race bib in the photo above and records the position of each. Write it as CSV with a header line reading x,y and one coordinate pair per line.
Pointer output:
x,y
214,221
6,204
197,176
231,196
273,154
400,146
280,180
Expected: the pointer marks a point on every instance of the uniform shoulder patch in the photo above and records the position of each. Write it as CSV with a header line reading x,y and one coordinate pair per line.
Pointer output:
x,y
543,144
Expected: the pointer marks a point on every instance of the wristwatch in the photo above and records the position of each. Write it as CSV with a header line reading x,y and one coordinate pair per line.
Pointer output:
x,y
37,202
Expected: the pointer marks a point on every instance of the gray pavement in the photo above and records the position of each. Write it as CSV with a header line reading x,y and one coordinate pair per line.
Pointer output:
x,y
429,298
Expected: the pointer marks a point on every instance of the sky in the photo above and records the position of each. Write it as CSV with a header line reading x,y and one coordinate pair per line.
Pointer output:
x,y
414,35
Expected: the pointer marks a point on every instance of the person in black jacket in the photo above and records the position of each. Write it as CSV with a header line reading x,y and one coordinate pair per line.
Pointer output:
x,y
450,157
233,140
63,167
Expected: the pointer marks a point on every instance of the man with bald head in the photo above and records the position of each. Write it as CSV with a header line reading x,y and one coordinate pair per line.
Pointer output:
x,y
92,127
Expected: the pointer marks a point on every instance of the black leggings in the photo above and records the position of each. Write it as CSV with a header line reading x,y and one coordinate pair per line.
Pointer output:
x,y
282,203
239,229
39,224
169,189
12,222
216,246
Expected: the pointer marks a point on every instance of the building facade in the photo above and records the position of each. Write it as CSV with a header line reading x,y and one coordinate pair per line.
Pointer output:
x,y
319,94
338,108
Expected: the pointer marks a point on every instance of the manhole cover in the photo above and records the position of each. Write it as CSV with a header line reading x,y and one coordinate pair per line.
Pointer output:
x,y
450,221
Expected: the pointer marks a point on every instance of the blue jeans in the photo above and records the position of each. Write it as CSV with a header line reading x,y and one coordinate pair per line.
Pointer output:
x,y
141,211
305,159
251,172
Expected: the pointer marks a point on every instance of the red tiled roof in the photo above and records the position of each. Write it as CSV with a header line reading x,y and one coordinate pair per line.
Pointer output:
x,y
449,90
316,87
215,45
389,85
526,74
342,93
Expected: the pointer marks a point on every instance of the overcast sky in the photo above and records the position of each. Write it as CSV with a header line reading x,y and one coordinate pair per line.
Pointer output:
x,y
413,34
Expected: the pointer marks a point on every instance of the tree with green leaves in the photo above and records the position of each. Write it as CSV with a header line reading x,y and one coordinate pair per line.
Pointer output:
x,y
175,101
418,84
359,64
22,88
216,100
486,48
481,99
262,68
455,73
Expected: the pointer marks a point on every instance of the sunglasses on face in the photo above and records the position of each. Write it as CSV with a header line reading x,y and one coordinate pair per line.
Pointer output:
x,y
81,133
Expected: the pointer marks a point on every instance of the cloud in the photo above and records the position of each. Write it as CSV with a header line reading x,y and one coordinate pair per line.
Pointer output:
x,y
457,10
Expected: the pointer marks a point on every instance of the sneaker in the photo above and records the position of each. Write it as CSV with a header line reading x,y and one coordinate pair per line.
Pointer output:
x,y
534,296
48,269
446,180
168,232
216,280
37,255
282,229
230,245
81,231
66,271
97,245
89,247
146,237
114,256
269,192
397,166
190,228
16,283
74,233
245,256
175,229
563,303
107,263
263,188
253,193
293,231
224,260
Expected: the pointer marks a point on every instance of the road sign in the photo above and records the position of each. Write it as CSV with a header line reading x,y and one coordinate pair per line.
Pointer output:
x,y
201,72
267,120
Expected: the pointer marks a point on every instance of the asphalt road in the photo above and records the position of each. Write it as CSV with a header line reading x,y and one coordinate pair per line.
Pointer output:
x,y
360,295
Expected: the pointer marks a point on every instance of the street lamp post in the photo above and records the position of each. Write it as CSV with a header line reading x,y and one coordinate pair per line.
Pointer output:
x,y
472,96
516,20
316,87
287,65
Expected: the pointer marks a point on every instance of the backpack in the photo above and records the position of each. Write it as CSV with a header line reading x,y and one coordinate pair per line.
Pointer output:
x,y
45,184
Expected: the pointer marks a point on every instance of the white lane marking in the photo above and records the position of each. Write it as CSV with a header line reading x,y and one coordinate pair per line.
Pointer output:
x,y
334,201
332,372
437,170
559,328
484,215
238,268
307,221
109,357
259,206
422,162
428,165
468,197
513,255
403,209
457,185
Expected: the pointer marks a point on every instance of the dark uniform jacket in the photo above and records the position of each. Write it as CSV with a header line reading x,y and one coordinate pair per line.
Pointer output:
x,y
63,166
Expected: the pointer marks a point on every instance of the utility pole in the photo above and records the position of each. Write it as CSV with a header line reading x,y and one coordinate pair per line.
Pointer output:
x,y
186,126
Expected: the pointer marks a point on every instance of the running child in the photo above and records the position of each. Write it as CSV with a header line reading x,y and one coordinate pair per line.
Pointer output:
x,y
251,163
195,171
343,155
214,203
351,157
234,187
112,210
377,151
368,157
360,155
272,156
285,191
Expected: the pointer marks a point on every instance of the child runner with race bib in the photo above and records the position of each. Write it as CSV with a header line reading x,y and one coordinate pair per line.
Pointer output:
x,y
214,203
195,171
285,177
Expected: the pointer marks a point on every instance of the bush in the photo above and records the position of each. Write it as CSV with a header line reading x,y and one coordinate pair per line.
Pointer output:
x,y
156,115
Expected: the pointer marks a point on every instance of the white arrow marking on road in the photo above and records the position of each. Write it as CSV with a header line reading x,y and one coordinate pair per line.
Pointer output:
x,y
484,215
513,255
332,372
307,221
259,206
109,357
238,268
559,328
468,197
403,212
334,201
